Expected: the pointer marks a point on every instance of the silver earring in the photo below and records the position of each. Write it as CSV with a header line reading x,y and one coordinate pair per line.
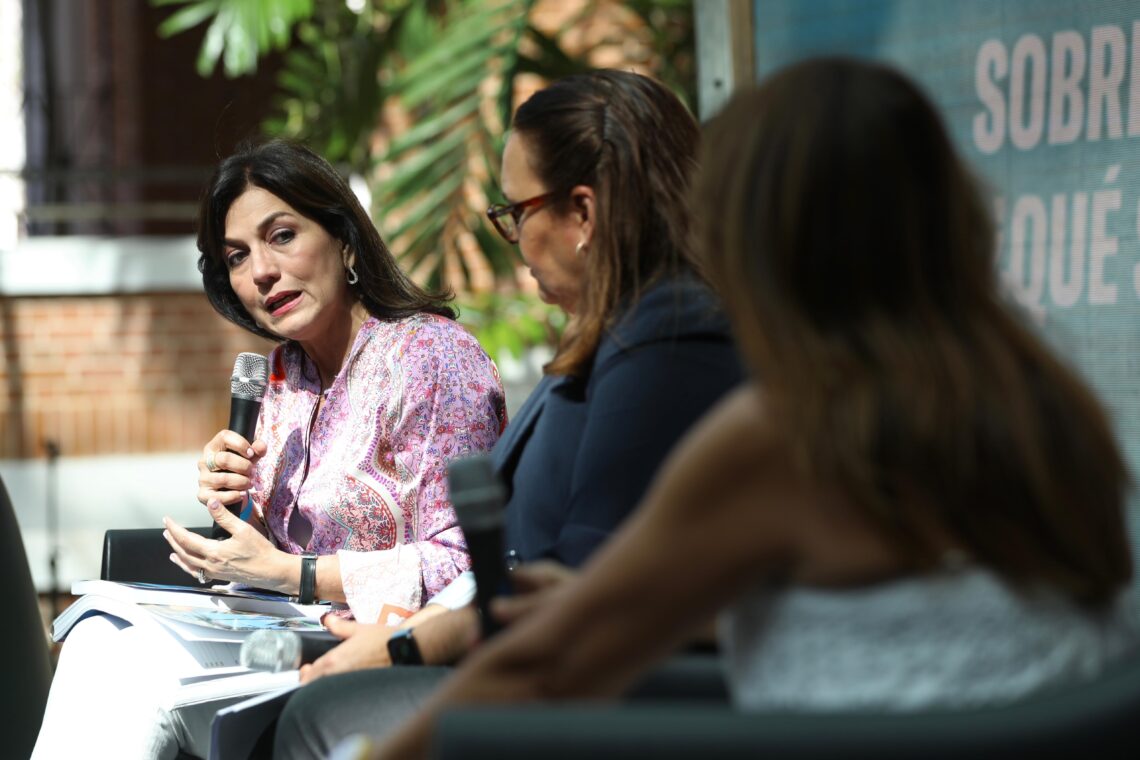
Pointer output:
x,y
352,277
580,248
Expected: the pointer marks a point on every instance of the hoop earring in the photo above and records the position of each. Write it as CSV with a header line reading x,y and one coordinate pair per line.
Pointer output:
x,y
352,277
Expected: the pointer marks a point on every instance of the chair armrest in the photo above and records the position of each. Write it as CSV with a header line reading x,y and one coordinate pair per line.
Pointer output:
x,y
1092,719
599,732
141,555
678,732
688,677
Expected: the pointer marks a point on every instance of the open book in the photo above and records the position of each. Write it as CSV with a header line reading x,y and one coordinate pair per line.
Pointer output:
x,y
210,624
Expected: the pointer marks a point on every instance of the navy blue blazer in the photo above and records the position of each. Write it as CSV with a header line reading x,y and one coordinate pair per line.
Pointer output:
x,y
581,451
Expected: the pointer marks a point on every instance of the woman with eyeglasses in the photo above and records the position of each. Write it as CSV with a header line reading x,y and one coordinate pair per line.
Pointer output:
x,y
595,173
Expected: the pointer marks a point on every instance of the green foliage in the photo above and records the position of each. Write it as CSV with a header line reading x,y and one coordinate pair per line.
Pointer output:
x,y
510,323
240,32
670,25
446,67
453,76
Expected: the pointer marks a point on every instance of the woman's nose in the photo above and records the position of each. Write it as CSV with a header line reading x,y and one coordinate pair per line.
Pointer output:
x,y
264,267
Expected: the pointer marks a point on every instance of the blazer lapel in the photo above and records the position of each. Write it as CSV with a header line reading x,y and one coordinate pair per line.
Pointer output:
x,y
507,450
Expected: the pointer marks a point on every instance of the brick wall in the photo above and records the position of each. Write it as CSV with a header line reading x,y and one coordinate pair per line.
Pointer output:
x,y
114,374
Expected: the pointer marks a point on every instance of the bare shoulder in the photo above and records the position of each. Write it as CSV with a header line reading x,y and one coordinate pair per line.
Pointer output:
x,y
730,483
727,455
734,433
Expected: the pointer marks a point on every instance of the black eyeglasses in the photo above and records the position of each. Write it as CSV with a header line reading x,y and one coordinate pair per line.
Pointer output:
x,y
507,216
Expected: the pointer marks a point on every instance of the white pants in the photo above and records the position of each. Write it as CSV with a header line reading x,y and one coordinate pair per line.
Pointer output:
x,y
108,692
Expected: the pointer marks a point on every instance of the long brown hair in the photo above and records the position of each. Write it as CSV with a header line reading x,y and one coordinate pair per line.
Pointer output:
x,y
632,141
855,255
309,184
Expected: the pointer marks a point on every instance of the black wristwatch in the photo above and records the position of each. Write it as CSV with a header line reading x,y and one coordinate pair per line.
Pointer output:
x,y
403,649
307,593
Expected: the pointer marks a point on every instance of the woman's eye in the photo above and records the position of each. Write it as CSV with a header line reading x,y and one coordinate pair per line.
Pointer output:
x,y
233,258
281,237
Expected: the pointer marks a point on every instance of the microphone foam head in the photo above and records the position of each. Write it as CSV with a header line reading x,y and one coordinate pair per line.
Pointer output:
x,y
250,376
271,650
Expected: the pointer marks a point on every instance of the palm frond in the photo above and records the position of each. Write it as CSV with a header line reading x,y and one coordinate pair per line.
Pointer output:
x,y
240,33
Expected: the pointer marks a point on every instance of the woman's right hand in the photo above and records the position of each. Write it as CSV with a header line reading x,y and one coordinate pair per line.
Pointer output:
x,y
229,480
363,645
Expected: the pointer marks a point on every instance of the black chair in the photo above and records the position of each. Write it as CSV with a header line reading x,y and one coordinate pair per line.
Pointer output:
x,y
27,666
1098,719
141,555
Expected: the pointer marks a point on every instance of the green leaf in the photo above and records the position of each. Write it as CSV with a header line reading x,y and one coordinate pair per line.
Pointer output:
x,y
215,42
419,161
428,205
461,77
242,31
303,63
474,34
421,246
433,127
411,184
187,18
551,62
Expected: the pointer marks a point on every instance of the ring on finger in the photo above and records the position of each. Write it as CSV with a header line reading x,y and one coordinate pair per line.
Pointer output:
x,y
202,575
211,465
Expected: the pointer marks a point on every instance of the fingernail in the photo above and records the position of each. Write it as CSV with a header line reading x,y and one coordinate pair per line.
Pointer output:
x,y
213,505
249,452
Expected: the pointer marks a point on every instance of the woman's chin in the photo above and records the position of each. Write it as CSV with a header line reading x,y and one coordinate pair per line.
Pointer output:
x,y
556,299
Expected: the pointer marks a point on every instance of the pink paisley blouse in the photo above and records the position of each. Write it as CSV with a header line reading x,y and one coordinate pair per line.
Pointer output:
x,y
369,473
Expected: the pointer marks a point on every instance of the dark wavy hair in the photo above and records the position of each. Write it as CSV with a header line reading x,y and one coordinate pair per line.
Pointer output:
x,y
634,143
309,184
854,252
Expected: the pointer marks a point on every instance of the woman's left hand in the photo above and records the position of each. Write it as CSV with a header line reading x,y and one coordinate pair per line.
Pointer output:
x,y
245,557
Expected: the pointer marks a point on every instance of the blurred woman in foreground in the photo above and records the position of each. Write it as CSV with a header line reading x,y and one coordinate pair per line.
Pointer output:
x,y
920,507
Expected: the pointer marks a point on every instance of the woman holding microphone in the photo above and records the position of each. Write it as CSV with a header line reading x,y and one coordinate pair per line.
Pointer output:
x,y
372,390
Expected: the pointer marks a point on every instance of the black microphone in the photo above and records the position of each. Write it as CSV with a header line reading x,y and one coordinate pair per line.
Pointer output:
x,y
284,650
247,387
479,498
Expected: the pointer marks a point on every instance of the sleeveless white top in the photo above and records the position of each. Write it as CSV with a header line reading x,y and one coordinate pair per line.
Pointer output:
x,y
951,640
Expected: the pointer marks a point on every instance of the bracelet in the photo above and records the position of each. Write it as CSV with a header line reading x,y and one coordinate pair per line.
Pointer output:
x,y
308,590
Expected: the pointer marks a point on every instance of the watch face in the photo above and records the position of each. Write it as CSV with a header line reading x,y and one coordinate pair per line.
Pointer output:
x,y
403,650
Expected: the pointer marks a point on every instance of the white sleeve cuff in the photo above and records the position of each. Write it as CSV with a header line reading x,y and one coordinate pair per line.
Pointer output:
x,y
458,593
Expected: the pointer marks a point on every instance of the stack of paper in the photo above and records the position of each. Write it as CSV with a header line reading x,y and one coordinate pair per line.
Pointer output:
x,y
209,623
